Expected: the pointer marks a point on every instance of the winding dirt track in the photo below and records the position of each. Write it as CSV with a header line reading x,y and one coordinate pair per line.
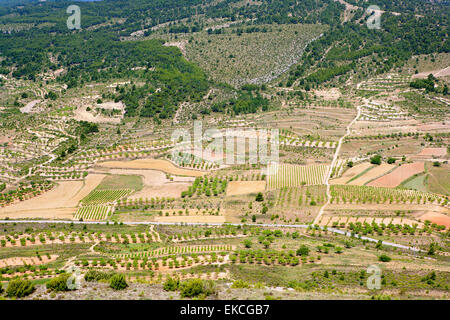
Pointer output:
x,y
333,163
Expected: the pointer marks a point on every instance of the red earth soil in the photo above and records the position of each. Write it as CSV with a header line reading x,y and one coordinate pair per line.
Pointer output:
x,y
438,218
438,152
394,178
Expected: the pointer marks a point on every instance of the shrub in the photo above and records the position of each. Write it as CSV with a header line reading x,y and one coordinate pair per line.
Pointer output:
x,y
303,251
381,297
59,283
171,284
376,159
259,197
248,243
431,250
19,288
118,282
196,287
384,258
391,160
240,284
95,275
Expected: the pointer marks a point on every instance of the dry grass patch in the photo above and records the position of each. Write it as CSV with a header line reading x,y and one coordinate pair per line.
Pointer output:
x,y
372,174
437,152
351,173
21,261
167,190
155,164
244,187
60,202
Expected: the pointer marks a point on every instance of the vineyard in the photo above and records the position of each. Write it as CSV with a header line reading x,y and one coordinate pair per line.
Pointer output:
x,y
92,213
301,196
105,196
296,176
364,194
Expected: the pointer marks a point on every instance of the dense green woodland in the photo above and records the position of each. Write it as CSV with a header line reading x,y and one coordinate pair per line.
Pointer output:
x,y
98,51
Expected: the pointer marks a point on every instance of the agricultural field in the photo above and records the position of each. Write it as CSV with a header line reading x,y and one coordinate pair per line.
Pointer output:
x,y
295,176
150,257
395,177
233,149
105,196
92,213
363,194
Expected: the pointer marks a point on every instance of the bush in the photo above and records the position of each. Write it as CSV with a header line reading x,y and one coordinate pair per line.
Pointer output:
x,y
240,284
118,282
303,251
19,288
247,243
95,275
384,258
381,297
436,164
59,283
171,284
391,160
196,287
259,197
432,249
376,159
